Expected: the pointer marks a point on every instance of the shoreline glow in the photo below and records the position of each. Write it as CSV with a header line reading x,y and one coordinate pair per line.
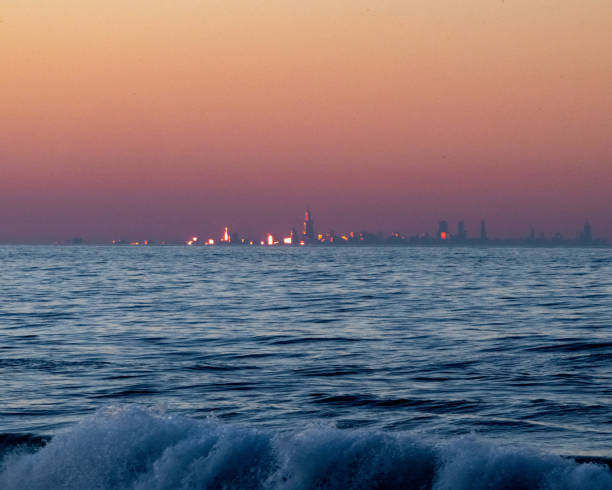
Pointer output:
x,y
443,236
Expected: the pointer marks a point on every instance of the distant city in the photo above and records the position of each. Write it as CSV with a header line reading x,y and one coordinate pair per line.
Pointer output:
x,y
444,236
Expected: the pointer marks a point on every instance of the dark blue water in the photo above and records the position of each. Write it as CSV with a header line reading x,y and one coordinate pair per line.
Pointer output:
x,y
176,367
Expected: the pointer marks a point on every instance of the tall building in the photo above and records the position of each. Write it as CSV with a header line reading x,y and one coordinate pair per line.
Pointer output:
x,y
461,235
443,230
483,231
587,234
309,234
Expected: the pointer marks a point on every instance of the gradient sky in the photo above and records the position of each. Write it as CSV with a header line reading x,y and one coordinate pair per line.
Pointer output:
x,y
162,119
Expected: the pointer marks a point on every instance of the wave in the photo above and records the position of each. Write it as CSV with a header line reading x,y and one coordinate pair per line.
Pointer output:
x,y
572,347
130,447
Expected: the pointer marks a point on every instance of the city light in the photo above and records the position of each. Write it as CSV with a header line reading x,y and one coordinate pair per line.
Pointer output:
x,y
443,235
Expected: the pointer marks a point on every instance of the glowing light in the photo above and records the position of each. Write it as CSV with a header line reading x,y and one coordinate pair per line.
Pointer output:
x,y
287,240
262,243
443,235
270,239
194,239
226,236
211,241
190,243
135,243
302,242
146,242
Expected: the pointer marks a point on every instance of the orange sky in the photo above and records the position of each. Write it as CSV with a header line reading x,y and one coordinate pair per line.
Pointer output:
x,y
166,118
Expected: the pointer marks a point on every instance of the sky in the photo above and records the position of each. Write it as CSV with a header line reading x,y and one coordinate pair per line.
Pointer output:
x,y
163,119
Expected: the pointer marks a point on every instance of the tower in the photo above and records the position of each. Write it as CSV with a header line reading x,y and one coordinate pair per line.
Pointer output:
x,y
483,231
443,230
587,234
308,227
461,235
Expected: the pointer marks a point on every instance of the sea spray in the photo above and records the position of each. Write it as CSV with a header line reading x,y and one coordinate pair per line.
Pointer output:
x,y
131,447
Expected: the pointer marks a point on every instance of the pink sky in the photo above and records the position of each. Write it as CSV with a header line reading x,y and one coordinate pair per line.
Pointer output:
x,y
164,119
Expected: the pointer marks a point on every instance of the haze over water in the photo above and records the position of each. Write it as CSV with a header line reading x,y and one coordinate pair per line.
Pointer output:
x,y
459,366
155,119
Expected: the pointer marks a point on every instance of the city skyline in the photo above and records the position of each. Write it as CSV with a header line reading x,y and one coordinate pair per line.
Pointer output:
x,y
310,235
157,230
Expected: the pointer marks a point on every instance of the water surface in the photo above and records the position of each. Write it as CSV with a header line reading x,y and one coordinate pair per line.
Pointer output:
x,y
513,346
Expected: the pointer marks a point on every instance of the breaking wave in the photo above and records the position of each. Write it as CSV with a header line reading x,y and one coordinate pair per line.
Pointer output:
x,y
131,447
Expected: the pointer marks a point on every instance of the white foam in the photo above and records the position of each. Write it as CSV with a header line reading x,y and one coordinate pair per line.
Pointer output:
x,y
134,448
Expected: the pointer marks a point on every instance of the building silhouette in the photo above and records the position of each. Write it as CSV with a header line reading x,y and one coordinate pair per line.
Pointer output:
x,y
532,235
483,231
443,230
309,234
587,234
461,235
294,239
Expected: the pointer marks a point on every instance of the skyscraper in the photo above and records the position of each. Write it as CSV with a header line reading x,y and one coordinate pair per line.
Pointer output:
x,y
443,230
532,235
309,234
587,234
461,235
483,231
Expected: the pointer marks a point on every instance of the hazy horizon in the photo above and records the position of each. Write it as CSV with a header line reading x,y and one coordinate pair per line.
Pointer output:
x,y
157,237
160,120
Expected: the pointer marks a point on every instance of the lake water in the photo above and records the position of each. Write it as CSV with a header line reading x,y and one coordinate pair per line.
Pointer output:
x,y
370,367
